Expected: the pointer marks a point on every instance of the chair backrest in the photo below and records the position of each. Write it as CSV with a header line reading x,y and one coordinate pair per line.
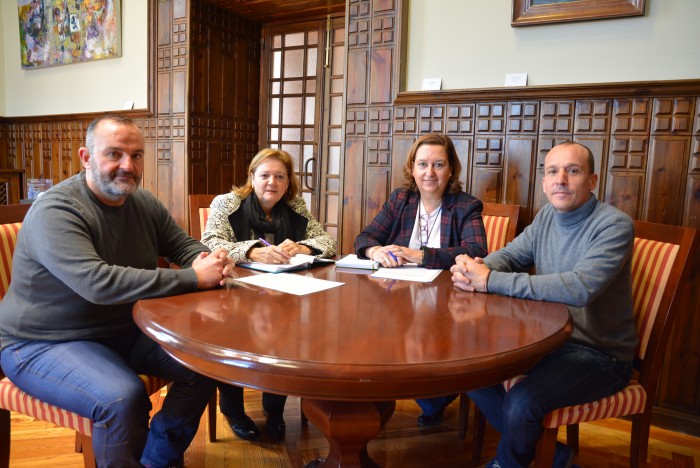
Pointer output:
x,y
199,212
662,261
11,217
8,240
13,213
501,223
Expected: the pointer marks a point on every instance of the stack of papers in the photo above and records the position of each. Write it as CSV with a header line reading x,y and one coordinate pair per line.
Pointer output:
x,y
297,262
351,261
408,273
298,285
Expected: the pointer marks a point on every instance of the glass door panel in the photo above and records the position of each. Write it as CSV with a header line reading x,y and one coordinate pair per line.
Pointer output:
x,y
302,105
332,132
291,87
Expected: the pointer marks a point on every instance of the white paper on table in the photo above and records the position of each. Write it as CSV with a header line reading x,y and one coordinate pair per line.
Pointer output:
x,y
407,273
290,283
351,261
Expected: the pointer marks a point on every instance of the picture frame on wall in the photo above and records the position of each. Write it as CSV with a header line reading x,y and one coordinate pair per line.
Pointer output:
x,y
533,12
57,32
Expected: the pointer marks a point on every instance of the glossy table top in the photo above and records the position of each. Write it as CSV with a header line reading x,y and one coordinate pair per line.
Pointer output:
x,y
366,340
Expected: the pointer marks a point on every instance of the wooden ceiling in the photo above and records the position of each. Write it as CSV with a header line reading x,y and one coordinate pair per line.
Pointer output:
x,y
270,11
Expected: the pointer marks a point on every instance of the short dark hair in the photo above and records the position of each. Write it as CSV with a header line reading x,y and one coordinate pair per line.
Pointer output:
x,y
90,134
454,185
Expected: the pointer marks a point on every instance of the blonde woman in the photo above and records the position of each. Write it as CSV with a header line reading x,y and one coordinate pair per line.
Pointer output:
x,y
264,221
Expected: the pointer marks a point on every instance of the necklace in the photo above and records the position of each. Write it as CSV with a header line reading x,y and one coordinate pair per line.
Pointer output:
x,y
425,226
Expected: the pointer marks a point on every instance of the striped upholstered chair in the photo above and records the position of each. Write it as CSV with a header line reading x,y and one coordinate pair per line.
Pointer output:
x,y
661,265
199,213
501,223
14,399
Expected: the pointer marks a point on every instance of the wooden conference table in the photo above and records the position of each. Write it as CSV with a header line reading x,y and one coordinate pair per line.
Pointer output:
x,y
346,348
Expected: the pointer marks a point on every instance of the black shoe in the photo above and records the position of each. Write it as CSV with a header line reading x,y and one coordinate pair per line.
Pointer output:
x,y
244,428
179,462
275,428
432,420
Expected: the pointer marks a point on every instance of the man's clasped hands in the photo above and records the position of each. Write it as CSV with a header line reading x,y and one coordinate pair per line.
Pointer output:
x,y
213,268
470,274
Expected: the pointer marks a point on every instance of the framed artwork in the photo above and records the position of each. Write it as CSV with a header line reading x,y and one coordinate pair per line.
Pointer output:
x,y
59,32
529,12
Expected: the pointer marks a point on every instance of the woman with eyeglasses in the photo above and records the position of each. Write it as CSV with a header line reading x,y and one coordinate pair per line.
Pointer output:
x,y
430,220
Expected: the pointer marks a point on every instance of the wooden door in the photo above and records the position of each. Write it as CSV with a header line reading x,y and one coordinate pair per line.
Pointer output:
x,y
302,107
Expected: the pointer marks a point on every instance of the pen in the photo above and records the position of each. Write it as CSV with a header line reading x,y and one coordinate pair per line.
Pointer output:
x,y
392,256
265,243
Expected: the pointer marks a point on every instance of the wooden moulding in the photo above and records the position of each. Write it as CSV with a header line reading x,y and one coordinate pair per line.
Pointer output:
x,y
557,11
576,91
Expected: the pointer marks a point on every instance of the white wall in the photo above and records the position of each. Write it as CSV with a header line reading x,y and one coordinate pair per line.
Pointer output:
x,y
471,44
97,86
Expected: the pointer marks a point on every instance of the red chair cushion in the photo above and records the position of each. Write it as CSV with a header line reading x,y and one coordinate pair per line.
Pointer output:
x,y
629,400
496,229
14,399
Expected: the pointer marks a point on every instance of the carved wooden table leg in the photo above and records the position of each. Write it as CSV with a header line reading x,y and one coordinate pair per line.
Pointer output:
x,y
348,426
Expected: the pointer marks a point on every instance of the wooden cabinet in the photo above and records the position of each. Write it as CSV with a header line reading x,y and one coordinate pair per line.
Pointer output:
x,y
12,186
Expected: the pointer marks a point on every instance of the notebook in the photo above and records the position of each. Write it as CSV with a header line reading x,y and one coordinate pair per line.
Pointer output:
x,y
297,262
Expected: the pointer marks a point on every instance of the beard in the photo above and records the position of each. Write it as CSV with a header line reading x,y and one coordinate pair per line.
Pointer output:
x,y
107,185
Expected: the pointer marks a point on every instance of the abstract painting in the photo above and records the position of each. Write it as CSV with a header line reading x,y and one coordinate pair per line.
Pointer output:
x,y
58,32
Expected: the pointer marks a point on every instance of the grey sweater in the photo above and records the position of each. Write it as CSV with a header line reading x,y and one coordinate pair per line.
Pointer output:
x,y
583,259
80,265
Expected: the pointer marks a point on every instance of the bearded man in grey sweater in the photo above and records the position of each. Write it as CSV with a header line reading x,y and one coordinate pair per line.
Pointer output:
x,y
87,251
581,251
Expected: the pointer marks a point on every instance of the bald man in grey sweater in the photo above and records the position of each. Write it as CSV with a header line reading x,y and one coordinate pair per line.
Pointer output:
x,y
581,250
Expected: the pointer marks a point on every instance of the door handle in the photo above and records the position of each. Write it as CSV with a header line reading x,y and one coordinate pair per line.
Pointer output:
x,y
306,176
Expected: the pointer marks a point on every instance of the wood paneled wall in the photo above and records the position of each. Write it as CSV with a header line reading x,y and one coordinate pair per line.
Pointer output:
x,y
644,136
374,48
224,90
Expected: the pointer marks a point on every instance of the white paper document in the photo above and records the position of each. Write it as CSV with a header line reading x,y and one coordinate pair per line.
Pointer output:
x,y
290,283
351,261
407,273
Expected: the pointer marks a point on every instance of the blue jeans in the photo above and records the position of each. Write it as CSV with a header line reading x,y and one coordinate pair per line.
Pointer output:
x,y
574,374
98,380
431,406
